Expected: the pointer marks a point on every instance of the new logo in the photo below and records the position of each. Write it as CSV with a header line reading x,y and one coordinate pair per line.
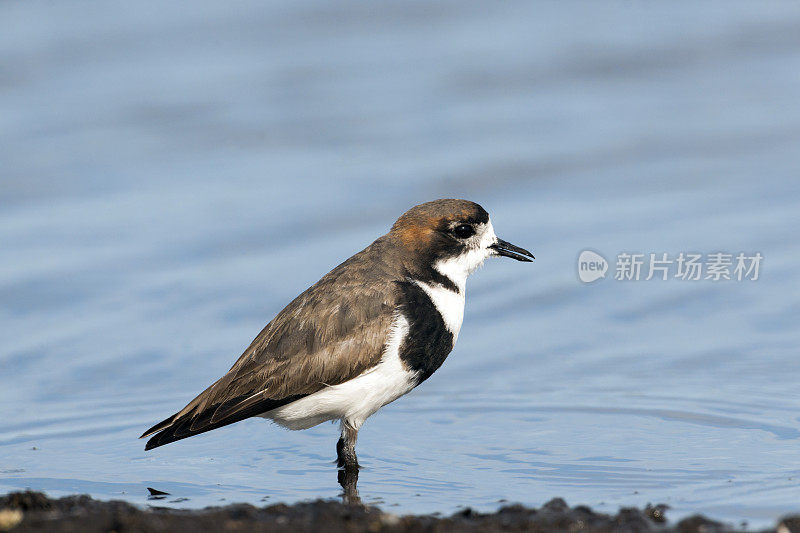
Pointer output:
x,y
591,266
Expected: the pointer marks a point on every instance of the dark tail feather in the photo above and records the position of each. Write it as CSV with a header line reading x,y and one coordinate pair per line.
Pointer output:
x,y
192,423
158,427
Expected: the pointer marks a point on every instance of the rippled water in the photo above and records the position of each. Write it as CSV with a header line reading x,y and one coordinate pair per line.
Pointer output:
x,y
172,177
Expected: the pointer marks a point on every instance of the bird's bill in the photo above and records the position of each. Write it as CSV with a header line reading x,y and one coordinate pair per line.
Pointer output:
x,y
506,249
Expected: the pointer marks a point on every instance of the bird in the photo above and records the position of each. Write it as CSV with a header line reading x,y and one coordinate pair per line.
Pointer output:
x,y
371,330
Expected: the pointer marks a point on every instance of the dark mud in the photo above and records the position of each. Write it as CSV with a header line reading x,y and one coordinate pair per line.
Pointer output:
x,y
33,511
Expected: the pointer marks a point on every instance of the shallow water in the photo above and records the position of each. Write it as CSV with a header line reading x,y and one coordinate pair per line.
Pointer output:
x,y
171,178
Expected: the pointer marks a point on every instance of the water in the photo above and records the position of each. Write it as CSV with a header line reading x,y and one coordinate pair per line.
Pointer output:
x,y
172,177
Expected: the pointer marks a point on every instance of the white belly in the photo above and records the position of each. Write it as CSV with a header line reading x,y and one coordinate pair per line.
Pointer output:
x,y
357,399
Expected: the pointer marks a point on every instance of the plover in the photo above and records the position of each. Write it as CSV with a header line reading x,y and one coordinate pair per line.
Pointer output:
x,y
367,333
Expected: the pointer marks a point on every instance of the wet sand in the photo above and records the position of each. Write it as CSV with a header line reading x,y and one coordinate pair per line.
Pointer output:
x,y
34,511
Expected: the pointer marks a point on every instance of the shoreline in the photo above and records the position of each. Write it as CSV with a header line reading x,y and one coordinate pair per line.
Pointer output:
x,y
34,511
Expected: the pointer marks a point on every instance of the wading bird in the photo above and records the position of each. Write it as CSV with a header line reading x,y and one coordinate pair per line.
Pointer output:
x,y
368,332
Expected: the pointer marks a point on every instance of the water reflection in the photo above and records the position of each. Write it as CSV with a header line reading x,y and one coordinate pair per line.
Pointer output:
x,y
348,479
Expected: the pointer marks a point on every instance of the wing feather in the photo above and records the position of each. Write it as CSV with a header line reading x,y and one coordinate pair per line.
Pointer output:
x,y
331,333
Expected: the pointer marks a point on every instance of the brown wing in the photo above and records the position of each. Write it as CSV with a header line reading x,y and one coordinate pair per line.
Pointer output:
x,y
329,334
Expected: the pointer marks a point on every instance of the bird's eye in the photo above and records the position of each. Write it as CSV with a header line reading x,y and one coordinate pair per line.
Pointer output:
x,y
462,231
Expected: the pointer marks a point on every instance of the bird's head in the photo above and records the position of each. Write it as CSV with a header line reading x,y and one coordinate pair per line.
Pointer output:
x,y
452,236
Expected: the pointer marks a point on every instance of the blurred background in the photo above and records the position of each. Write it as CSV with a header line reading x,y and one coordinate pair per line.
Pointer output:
x,y
172,175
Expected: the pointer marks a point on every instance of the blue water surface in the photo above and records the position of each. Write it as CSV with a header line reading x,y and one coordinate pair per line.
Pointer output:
x,y
172,176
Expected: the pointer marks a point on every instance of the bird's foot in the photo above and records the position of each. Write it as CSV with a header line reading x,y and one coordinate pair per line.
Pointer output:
x,y
346,455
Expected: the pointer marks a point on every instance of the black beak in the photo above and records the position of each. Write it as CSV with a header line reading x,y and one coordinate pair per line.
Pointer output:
x,y
506,249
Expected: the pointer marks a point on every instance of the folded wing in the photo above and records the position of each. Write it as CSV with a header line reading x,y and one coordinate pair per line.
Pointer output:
x,y
330,334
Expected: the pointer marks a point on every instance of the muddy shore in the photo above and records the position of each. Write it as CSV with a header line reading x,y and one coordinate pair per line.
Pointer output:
x,y
34,511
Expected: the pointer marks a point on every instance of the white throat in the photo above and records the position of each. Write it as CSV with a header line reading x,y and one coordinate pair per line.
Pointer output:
x,y
458,268
450,303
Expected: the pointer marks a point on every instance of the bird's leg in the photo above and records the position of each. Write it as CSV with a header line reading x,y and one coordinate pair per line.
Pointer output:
x,y
346,447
